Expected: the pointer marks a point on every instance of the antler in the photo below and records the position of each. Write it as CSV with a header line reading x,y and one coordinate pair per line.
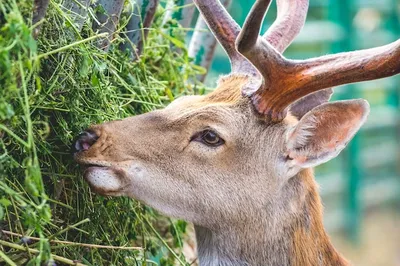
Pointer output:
x,y
285,81
328,71
290,20
257,50
226,30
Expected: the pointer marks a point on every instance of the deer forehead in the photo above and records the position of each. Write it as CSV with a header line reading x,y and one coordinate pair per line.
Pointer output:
x,y
228,92
225,104
227,107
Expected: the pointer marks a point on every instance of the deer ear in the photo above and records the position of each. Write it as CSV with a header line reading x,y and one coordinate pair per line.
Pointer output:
x,y
309,102
324,132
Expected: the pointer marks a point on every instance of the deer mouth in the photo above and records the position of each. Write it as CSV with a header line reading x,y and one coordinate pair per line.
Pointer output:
x,y
104,179
92,167
88,163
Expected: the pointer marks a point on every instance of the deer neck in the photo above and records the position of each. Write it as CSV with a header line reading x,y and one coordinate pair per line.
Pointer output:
x,y
287,231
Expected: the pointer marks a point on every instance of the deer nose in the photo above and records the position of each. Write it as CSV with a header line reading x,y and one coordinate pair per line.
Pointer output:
x,y
85,140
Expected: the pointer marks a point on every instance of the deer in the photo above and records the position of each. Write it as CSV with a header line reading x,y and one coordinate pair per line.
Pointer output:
x,y
238,162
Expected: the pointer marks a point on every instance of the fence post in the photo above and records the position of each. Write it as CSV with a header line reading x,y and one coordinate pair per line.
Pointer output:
x,y
342,14
141,14
180,10
39,11
203,43
107,21
78,11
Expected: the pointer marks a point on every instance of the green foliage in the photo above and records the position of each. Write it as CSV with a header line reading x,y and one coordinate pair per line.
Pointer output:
x,y
52,89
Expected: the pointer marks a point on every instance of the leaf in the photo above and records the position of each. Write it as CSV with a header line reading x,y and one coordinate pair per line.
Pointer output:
x,y
5,202
175,41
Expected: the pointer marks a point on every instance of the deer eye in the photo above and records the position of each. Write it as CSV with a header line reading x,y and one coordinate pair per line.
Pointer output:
x,y
209,138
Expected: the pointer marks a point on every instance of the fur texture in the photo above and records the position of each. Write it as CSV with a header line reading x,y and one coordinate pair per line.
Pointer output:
x,y
252,200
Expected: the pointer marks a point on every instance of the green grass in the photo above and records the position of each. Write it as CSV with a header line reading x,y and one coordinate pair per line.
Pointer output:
x,y
52,89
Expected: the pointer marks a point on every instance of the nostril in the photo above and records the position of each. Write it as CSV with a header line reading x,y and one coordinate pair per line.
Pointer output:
x,y
85,140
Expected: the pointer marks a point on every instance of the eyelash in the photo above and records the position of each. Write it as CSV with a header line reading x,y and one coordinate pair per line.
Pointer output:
x,y
201,137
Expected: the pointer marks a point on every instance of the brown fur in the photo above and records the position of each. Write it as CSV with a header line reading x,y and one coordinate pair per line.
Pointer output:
x,y
228,90
251,199
311,244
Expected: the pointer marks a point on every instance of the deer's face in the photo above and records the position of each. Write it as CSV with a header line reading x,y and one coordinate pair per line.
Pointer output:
x,y
191,160
203,158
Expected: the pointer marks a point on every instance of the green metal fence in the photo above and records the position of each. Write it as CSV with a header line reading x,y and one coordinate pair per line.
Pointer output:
x,y
370,173
366,174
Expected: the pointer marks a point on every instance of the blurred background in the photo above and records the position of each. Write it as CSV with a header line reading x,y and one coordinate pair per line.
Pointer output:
x,y
360,188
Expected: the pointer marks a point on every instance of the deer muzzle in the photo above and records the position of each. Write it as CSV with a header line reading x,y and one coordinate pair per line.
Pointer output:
x,y
85,140
100,156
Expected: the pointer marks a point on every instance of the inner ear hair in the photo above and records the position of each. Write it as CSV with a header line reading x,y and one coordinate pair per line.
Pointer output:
x,y
325,131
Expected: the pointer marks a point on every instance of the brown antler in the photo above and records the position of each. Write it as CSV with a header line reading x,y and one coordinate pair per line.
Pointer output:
x,y
285,81
226,30
269,62
290,20
329,71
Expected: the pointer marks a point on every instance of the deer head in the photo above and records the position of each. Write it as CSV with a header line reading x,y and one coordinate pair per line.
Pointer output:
x,y
239,158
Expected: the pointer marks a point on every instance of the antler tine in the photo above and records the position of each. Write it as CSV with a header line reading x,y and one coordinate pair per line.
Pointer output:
x,y
225,29
268,61
290,20
286,81
249,35
313,75
288,24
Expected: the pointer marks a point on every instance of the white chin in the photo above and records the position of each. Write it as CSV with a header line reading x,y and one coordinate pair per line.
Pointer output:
x,y
103,181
